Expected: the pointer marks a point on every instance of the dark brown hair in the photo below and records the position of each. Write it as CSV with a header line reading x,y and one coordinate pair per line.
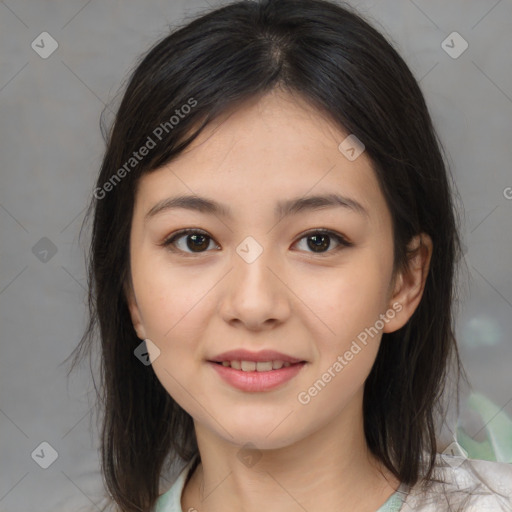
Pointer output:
x,y
330,56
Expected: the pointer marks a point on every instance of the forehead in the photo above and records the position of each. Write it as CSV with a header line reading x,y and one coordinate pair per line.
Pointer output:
x,y
269,148
274,124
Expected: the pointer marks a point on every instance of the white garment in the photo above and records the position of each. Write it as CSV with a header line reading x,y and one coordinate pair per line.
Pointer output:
x,y
465,485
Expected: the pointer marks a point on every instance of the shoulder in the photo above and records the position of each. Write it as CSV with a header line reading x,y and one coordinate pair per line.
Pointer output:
x,y
466,485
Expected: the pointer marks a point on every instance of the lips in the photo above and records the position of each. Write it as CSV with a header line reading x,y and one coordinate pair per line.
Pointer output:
x,y
256,381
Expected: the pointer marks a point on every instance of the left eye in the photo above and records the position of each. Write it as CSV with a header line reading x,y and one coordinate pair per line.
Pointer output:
x,y
321,239
198,241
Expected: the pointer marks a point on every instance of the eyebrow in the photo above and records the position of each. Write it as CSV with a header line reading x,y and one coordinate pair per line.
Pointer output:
x,y
282,209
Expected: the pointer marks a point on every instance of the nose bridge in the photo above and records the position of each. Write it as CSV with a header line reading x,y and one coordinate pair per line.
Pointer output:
x,y
251,263
255,294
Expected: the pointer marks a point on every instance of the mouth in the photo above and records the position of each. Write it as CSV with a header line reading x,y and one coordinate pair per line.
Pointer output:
x,y
256,366
254,377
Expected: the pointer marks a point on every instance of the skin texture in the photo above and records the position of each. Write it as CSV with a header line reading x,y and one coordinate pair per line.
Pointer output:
x,y
309,305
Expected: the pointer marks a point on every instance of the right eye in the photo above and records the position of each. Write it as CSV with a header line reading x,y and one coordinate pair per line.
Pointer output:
x,y
196,240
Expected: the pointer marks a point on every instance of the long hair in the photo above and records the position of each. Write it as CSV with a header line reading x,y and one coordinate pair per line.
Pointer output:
x,y
328,55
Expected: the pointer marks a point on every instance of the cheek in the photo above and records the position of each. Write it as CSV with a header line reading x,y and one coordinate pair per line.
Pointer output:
x,y
169,297
349,304
174,307
344,302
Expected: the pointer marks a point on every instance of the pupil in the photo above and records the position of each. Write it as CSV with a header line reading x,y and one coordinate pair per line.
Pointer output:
x,y
319,244
194,244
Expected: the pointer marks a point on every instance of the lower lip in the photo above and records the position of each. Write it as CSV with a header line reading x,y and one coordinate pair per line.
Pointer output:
x,y
255,381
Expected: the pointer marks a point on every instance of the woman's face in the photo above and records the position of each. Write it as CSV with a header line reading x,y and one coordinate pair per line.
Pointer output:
x,y
255,279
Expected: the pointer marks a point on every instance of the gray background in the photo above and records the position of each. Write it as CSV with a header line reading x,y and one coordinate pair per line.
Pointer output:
x,y
51,149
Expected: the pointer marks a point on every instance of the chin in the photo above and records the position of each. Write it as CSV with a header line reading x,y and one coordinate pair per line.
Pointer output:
x,y
255,438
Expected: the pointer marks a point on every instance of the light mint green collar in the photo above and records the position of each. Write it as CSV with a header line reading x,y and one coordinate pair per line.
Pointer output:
x,y
395,501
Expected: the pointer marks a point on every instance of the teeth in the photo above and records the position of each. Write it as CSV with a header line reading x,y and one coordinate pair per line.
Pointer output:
x,y
248,366
261,366
264,366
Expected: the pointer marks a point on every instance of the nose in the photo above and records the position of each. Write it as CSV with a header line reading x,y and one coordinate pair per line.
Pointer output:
x,y
255,294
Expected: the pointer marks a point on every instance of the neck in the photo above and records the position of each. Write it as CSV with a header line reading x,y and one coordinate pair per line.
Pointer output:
x,y
329,469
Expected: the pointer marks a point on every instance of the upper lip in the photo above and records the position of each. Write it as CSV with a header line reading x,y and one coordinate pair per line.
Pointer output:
x,y
246,355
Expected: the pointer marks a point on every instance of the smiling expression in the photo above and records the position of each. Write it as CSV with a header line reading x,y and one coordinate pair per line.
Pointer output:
x,y
291,250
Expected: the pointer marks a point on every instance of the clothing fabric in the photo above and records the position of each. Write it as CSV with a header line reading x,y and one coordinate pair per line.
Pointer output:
x,y
460,485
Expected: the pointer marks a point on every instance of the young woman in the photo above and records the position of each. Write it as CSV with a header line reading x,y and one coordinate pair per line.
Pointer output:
x,y
272,272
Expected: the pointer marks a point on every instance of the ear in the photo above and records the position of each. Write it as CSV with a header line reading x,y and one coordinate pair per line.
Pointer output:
x,y
134,310
410,283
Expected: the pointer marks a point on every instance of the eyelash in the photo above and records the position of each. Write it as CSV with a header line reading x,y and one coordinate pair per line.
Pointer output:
x,y
169,241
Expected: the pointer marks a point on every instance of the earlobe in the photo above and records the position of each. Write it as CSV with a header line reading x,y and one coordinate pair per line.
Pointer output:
x,y
134,311
410,283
